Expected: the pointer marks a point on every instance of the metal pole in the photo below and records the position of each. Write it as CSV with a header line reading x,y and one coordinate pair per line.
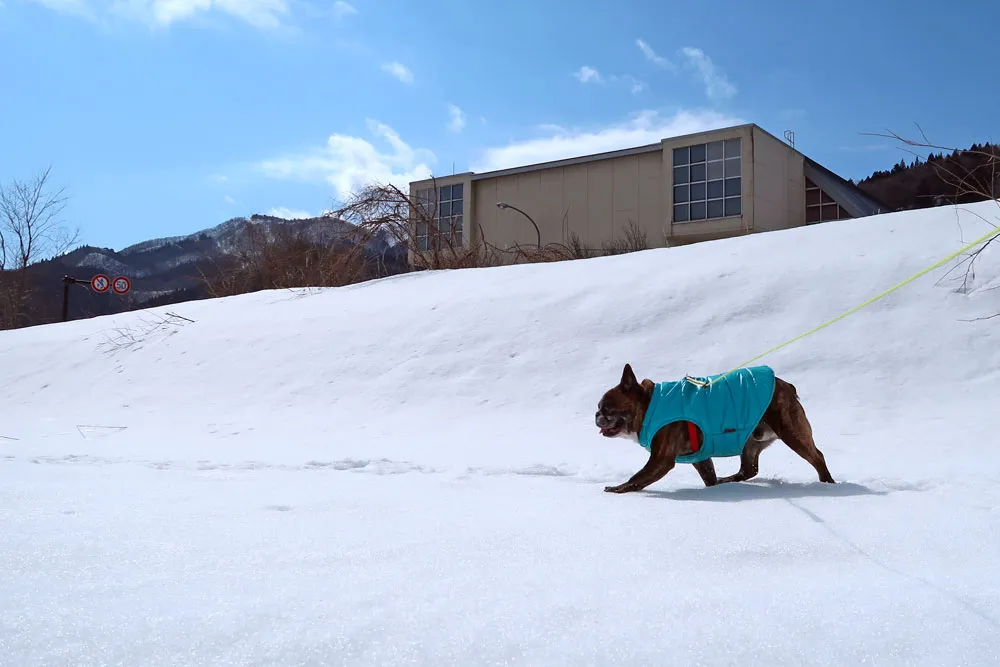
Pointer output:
x,y
65,308
501,204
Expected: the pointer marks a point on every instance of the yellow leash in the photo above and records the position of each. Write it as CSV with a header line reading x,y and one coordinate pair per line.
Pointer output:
x,y
944,260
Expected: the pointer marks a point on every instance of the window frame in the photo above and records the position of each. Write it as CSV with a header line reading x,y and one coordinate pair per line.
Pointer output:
x,y
824,203
447,226
706,181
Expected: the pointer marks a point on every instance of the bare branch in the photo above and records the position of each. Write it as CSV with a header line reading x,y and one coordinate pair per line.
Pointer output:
x,y
980,319
30,231
968,180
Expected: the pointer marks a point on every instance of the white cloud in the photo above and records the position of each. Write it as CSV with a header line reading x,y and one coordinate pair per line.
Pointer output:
x,y
348,163
289,214
228,200
219,178
717,86
343,9
587,75
398,70
261,14
77,7
456,118
644,127
635,86
652,56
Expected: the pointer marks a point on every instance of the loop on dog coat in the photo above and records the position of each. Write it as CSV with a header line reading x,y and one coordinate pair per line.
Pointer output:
x,y
727,410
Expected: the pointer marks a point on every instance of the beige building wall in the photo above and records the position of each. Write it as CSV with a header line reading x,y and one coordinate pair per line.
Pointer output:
x,y
780,185
598,197
595,200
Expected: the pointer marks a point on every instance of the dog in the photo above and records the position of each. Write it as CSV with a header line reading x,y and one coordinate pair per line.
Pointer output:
x,y
766,409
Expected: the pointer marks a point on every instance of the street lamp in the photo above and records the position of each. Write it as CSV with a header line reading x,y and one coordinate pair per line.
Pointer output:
x,y
501,204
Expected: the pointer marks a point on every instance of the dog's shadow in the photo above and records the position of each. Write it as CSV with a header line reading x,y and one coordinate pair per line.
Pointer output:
x,y
765,489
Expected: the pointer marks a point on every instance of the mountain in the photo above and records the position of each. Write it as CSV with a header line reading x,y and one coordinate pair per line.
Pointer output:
x,y
173,269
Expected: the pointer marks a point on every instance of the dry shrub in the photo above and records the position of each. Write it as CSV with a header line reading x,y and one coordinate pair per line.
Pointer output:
x,y
281,257
635,240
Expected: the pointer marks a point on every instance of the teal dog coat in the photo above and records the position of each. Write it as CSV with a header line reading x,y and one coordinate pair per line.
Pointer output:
x,y
726,411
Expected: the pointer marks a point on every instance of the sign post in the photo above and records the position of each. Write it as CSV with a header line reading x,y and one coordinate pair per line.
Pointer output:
x,y
99,283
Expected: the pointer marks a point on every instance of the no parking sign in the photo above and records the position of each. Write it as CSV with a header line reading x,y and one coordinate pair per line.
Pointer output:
x,y
100,283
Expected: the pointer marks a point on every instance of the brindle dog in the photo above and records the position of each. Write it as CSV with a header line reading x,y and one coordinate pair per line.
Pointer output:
x,y
622,409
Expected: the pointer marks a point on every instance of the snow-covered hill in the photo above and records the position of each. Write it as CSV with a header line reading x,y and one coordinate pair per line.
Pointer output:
x,y
407,471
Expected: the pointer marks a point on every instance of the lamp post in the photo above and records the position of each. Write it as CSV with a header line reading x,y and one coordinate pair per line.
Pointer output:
x,y
501,204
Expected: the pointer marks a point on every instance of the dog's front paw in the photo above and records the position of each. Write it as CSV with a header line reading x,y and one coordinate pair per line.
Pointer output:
x,y
621,488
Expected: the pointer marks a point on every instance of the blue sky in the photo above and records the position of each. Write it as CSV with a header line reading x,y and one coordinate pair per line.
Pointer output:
x,y
163,117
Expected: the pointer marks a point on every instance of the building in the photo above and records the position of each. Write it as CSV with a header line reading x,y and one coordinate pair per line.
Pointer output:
x,y
710,185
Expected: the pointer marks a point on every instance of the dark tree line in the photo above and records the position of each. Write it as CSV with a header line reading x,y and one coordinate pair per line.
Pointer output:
x,y
939,178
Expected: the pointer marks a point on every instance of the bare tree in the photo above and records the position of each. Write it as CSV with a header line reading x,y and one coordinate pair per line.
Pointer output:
x,y
433,241
30,230
979,181
436,241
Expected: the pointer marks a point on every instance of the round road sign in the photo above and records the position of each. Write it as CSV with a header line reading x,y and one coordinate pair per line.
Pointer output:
x,y
100,283
121,285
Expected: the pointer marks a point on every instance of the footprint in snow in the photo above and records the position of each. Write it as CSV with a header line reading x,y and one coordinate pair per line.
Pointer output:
x,y
279,508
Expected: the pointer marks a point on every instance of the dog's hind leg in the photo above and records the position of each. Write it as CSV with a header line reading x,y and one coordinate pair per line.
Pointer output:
x,y
707,471
750,455
803,445
788,418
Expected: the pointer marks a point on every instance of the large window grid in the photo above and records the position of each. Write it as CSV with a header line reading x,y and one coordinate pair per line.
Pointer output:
x,y
447,213
707,181
821,207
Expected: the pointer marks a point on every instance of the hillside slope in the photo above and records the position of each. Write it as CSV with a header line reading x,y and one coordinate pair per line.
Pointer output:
x,y
172,270
406,471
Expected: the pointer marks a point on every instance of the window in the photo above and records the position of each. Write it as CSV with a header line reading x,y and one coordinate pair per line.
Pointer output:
x,y
447,216
821,207
707,181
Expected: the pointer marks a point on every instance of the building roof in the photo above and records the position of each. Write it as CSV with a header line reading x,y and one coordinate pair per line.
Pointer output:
x,y
566,162
848,195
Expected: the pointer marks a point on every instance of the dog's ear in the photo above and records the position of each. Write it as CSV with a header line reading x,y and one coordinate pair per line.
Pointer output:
x,y
628,381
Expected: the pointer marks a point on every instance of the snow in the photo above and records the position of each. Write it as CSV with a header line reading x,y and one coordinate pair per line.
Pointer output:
x,y
406,472
228,234
96,260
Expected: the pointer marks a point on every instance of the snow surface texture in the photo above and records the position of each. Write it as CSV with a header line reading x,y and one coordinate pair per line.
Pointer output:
x,y
406,472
